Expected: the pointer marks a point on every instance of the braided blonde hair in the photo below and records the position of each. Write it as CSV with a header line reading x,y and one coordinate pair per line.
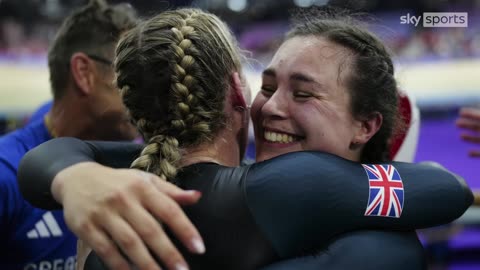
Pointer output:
x,y
174,72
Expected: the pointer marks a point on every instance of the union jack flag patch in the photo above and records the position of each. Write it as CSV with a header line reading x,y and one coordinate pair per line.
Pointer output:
x,y
386,195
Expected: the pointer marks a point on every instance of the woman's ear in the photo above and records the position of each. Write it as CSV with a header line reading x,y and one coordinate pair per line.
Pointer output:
x,y
237,97
368,128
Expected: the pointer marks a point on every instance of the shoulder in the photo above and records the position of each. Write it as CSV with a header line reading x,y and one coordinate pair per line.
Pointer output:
x,y
301,165
11,151
14,145
10,196
41,111
222,190
302,159
8,172
217,183
10,155
12,148
220,178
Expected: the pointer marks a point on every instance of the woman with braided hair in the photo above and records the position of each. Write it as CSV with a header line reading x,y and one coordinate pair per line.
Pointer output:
x,y
188,110
329,88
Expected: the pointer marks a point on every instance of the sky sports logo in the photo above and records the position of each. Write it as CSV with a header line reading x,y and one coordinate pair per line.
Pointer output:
x,y
437,19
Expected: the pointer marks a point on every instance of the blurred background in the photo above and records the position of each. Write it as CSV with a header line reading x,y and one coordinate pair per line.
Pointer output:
x,y
439,67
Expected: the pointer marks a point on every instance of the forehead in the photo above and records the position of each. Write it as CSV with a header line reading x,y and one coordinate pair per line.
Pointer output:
x,y
313,56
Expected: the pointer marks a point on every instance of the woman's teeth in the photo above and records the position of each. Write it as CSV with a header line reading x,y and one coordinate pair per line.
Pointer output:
x,y
278,137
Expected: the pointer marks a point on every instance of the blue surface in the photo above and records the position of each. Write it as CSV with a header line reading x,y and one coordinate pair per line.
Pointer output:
x,y
440,141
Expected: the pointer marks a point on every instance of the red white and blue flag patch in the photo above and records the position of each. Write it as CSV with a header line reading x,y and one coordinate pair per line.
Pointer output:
x,y
386,196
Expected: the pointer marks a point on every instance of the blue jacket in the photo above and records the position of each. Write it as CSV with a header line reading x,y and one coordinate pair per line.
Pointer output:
x,y
31,238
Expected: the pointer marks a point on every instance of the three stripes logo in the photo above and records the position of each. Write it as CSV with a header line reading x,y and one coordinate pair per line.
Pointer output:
x,y
45,228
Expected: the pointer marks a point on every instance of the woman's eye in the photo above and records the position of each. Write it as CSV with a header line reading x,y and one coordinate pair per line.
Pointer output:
x,y
267,91
301,94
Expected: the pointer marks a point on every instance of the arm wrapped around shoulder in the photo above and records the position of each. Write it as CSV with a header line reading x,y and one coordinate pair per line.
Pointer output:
x,y
468,191
449,195
40,165
322,195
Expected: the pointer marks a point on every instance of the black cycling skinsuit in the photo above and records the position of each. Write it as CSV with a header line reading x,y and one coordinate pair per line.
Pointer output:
x,y
284,209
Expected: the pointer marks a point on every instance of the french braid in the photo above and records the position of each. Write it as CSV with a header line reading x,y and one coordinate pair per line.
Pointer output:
x,y
174,71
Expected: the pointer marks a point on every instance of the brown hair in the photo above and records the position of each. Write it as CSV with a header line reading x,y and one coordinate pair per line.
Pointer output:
x,y
92,29
371,84
174,71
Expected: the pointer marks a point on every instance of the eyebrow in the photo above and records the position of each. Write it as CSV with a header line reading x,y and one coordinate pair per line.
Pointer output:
x,y
296,76
269,72
303,78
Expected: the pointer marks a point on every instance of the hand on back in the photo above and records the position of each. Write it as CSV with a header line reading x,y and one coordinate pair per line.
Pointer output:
x,y
117,209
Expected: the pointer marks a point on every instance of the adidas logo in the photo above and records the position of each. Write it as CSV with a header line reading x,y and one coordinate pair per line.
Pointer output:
x,y
46,227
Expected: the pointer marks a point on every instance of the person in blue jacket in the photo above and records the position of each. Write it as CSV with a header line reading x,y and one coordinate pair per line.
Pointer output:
x,y
85,105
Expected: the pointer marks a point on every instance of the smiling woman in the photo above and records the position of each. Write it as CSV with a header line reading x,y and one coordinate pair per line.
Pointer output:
x,y
303,95
328,73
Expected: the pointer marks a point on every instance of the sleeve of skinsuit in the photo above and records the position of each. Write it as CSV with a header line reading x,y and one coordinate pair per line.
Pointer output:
x,y
40,165
302,200
363,250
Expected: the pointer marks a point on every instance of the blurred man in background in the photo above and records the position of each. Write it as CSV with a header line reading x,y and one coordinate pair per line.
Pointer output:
x,y
86,105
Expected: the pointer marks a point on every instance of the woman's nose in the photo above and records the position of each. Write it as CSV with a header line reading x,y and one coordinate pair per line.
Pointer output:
x,y
276,105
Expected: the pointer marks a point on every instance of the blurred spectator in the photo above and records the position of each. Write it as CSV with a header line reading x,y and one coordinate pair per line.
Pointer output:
x,y
261,35
86,105
469,119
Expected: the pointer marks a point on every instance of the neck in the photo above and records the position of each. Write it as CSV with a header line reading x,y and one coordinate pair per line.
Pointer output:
x,y
67,119
223,149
